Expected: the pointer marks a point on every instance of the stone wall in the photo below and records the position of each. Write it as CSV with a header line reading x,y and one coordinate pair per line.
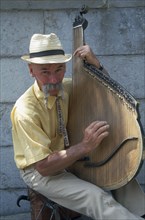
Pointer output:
x,y
116,33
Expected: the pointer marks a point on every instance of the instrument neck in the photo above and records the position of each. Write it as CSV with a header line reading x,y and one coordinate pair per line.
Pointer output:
x,y
78,37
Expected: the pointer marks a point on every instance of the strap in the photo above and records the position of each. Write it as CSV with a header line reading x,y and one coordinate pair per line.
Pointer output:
x,y
61,126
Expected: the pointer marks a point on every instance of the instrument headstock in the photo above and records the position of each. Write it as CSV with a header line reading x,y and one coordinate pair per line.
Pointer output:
x,y
80,20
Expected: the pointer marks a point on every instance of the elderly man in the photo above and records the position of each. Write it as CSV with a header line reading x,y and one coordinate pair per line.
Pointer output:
x,y
39,120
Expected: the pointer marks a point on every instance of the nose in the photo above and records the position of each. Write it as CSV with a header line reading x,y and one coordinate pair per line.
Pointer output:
x,y
53,78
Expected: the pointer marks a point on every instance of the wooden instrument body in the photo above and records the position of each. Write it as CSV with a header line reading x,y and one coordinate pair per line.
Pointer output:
x,y
95,96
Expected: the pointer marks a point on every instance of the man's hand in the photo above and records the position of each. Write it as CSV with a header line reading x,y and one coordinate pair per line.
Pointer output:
x,y
94,134
85,53
60,160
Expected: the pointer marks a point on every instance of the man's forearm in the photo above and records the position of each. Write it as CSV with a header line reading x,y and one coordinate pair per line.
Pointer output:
x,y
60,160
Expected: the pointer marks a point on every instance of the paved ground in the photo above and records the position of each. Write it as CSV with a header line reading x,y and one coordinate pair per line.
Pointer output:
x,y
23,216
26,216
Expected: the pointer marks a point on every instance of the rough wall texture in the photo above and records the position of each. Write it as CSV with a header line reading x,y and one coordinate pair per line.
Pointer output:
x,y
116,33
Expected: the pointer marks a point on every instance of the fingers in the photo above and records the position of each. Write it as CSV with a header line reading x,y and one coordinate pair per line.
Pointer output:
x,y
102,132
85,53
82,52
98,126
96,132
99,130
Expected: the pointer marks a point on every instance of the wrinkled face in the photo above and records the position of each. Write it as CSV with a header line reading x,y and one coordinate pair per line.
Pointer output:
x,y
48,76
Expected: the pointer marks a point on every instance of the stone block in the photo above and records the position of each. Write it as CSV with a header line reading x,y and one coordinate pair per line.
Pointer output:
x,y
10,176
5,125
124,3
141,174
19,216
8,199
141,109
67,4
115,30
15,79
17,28
128,71
50,5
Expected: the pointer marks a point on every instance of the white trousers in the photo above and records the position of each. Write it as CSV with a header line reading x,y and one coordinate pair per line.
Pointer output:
x,y
78,195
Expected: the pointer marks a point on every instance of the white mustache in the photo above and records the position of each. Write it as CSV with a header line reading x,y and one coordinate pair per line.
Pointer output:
x,y
48,87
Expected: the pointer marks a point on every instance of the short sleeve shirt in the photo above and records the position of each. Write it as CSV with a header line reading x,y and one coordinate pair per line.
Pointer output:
x,y
35,127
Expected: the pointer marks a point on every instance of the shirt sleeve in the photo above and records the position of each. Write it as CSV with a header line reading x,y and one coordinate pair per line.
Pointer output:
x,y
30,141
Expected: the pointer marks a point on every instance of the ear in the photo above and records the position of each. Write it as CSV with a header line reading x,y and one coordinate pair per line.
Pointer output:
x,y
31,70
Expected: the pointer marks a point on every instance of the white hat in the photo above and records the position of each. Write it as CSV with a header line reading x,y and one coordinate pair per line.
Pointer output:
x,y
45,49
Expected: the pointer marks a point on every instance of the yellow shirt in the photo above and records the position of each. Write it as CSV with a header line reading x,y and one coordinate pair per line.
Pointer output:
x,y
34,127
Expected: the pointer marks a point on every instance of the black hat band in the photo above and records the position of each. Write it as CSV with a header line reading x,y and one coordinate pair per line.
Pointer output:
x,y
47,53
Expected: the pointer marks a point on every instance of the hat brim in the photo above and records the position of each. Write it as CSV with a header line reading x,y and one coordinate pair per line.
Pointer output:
x,y
47,59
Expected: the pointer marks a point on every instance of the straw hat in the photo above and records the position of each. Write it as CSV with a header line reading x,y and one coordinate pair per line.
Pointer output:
x,y
46,49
